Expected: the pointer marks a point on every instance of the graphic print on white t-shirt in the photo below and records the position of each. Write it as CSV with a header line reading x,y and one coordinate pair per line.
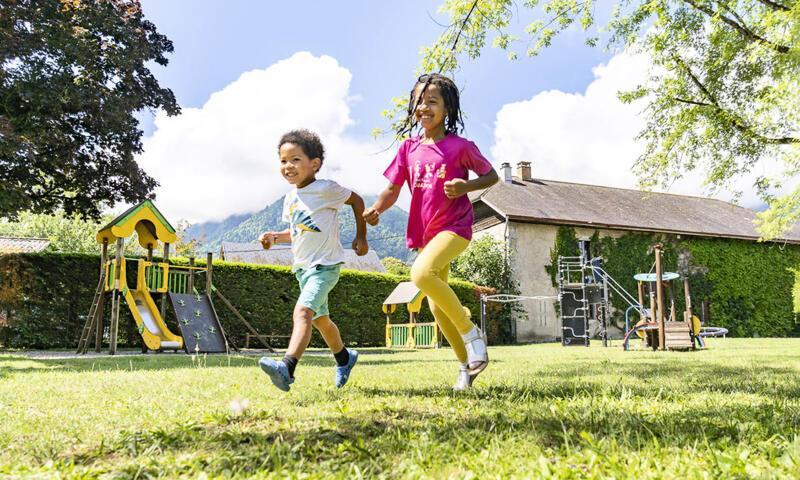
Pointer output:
x,y
313,216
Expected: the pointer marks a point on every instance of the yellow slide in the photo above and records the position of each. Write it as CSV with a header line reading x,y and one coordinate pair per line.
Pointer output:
x,y
154,331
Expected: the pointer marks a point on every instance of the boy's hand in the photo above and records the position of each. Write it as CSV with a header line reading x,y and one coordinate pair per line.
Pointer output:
x,y
455,188
360,246
268,239
371,216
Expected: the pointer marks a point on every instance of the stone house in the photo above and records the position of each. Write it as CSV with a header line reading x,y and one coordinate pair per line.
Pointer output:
x,y
526,212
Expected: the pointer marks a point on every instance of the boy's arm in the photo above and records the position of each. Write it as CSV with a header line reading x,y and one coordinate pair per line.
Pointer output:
x,y
458,186
385,200
360,242
269,239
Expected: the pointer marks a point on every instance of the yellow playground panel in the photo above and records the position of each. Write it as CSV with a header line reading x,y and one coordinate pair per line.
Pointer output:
x,y
411,334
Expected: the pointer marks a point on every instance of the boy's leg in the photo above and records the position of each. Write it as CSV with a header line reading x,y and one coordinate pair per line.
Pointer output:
x,y
311,288
301,331
330,333
345,359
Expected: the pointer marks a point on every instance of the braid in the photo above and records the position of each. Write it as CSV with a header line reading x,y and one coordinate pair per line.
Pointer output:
x,y
454,122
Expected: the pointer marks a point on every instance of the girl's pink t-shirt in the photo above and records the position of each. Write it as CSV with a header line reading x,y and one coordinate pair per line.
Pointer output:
x,y
425,168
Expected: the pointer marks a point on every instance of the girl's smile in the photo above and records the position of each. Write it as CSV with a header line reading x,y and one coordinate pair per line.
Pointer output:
x,y
430,112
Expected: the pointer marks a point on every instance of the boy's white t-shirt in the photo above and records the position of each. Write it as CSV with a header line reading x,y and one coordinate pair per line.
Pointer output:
x,y
313,216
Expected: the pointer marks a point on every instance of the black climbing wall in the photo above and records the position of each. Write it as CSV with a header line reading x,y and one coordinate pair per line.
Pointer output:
x,y
198,322
574,320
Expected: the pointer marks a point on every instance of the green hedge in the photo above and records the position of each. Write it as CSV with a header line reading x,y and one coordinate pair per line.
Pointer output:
x,y
796,291
748,285
46,298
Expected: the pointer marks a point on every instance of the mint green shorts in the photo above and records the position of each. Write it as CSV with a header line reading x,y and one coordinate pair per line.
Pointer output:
x,y
315,285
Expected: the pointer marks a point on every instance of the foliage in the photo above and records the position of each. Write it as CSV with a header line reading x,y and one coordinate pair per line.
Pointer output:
x,y
66,233
538,411
395,266
566,245
796,291
387,239
73,74
47,297
723,94
485,262
747,285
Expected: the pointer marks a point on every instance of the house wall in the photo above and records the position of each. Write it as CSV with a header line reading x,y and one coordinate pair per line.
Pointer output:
x,y
530,246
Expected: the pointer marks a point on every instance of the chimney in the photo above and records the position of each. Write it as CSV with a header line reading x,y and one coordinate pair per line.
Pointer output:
x,y
524,171
506,168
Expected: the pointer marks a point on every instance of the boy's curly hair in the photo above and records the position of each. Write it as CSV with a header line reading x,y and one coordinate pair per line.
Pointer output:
x,y
306,140
454,122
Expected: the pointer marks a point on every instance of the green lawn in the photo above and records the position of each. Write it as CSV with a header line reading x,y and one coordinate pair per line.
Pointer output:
x,y
732,411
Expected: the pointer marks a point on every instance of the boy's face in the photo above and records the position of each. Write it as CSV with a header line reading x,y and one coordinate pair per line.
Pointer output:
x,y
296,167
430,112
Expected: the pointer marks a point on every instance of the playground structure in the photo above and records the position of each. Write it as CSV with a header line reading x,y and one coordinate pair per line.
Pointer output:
x,y
658,329
156,283
411,334
584,287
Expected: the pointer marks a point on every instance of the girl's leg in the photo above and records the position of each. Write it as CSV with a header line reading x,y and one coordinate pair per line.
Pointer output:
x,y
448,329
426,273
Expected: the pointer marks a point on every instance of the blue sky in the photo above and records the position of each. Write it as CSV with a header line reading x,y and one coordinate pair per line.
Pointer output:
x,y
245,71
378,41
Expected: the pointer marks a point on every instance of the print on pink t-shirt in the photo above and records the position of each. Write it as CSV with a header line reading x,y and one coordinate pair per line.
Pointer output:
x,y
425,168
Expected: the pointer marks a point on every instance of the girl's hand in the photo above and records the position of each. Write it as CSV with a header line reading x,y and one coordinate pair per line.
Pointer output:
x,y
268,239
455,188
360,246
371,216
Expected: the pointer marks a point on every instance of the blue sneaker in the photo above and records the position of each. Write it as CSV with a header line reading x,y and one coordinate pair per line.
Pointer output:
x,y
278,372
343,372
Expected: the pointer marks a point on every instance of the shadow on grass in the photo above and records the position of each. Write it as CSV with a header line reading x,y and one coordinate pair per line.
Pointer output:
x,y
374,440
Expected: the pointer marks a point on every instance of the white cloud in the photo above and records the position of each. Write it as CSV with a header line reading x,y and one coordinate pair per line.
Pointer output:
x,y
590,137
221,159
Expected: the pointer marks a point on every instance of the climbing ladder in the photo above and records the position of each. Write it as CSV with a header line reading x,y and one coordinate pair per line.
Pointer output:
x,y
583,288
91,319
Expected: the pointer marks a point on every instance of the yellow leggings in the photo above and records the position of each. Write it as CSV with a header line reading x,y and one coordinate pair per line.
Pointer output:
x,y
429,273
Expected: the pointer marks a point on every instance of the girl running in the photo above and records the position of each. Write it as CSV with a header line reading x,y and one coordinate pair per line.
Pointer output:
x,y
435,165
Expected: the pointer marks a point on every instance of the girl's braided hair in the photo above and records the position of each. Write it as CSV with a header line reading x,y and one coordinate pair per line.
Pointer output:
x,y
453,122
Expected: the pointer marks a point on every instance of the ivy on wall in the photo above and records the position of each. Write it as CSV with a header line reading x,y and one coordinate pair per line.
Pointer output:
x,y
748,285
45,298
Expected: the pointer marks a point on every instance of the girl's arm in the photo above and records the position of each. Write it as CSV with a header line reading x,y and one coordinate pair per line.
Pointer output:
x,y
269,239
360,242
458,186
385,200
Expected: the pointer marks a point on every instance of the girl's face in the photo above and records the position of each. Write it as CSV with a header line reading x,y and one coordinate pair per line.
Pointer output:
x,y
296,167
430,112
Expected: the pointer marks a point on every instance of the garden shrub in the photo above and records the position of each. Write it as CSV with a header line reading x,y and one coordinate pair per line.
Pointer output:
x,y
46,298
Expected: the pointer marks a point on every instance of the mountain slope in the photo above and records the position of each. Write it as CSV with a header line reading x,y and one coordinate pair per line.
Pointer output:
x,y
387,239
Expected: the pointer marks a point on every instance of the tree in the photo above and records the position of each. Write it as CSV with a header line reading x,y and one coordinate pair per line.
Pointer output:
x,y
66,233
723,94
72,75
395,266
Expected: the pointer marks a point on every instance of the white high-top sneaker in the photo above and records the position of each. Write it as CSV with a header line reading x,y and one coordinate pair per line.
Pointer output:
x,y
477,356
464,379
